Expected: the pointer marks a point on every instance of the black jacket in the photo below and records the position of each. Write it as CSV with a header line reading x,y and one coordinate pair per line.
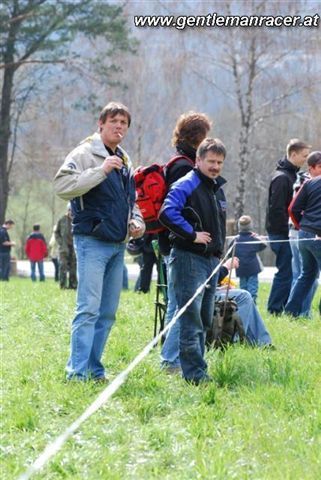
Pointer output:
x,y
192,205
280,196
306,207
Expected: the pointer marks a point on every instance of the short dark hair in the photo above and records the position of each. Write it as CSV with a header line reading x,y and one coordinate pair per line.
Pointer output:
x,y
191,128
112,109
295,145
36,227
214,145
314,159
9,222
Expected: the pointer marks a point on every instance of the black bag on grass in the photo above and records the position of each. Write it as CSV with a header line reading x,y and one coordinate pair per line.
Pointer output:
x,y
226,325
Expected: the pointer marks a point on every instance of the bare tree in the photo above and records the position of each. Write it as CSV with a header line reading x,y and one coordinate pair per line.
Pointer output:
x,y
31,28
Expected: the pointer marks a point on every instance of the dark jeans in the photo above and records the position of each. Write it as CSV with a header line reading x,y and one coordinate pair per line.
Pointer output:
x,y
67,266
282,280
55,261
146,270
4,266
188,271
310,250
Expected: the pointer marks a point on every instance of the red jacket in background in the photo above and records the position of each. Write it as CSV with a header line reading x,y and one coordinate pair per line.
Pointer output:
x,y
36,247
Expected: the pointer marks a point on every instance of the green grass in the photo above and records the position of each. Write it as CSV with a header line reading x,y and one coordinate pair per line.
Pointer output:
x,y
261,419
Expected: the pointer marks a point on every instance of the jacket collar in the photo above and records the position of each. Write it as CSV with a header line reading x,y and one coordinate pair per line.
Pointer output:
x,y
214,184
285,164
98,148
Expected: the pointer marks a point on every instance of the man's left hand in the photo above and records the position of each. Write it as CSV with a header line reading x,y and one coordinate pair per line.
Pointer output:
x,y
135,230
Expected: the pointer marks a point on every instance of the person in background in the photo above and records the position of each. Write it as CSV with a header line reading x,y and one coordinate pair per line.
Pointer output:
x,y
5,247
248,244
125,277
305,212
277,221
296,256
146,263
97,177
36,251
53,253
67,256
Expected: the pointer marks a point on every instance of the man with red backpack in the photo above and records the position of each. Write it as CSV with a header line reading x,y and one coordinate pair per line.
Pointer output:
x,y
36,251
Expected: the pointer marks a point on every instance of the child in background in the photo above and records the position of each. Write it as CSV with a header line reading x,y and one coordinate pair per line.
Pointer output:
x,y
250,264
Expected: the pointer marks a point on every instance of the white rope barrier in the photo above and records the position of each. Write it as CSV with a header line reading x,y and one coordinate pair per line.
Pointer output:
x,y
267,240
106,394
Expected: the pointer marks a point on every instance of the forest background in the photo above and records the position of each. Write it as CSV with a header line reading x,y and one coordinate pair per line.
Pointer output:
x,y
63,61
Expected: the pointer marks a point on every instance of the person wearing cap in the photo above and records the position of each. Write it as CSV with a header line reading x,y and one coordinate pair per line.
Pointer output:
x,y
305,212
97,178
248,244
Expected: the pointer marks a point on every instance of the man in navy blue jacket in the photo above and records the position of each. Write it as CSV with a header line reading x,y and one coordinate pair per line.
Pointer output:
x,y
305,211
191,211
97,177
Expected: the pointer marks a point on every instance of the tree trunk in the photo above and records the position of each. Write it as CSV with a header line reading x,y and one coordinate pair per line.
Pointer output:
x,y
4,140
6,100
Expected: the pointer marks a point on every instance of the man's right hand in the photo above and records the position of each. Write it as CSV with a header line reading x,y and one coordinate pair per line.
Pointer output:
x,y
203,237
232,263
112,162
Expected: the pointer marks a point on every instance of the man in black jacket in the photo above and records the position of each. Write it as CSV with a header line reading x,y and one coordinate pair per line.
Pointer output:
x,y
277,221
305,211
190,130
191,212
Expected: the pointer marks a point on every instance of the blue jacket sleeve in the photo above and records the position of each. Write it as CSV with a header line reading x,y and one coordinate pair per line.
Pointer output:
x,y
171,212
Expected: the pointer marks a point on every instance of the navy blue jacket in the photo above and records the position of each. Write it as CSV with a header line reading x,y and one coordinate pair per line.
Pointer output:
x,y
4,237
103,212
196,203
247,254
280,196
305,209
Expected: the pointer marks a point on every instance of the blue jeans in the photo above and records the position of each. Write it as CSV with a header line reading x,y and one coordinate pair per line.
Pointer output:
x,y
170,349
311,265
100,275
188,272
40,270
282,280
251,285
296,271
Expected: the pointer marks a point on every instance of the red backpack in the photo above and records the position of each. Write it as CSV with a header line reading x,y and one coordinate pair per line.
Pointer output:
x,y
151,189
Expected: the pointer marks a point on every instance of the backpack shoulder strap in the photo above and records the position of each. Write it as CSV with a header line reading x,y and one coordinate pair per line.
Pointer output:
x,y
178,157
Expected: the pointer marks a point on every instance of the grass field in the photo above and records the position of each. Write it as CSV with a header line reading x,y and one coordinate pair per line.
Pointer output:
x,y
261,419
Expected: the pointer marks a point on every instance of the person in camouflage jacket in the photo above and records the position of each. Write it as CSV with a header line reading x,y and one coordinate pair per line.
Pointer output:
x,y
67,256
